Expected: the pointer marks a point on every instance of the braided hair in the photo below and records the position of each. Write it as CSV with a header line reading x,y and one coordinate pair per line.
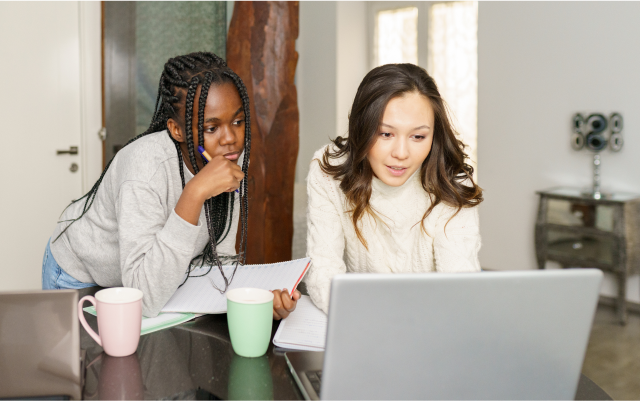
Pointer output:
x,y
179,82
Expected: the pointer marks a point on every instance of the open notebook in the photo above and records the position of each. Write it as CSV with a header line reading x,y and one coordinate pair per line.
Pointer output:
x,y
160,322
304,329
198,295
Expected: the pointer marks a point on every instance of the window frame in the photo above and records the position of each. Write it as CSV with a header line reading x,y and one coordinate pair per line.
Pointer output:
x,y
424,14
423,26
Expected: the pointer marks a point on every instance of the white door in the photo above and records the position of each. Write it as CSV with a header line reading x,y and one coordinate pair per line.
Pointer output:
x,y
40,109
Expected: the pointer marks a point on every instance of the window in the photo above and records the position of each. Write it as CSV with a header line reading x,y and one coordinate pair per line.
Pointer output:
x,y
442,38
453,63
397,36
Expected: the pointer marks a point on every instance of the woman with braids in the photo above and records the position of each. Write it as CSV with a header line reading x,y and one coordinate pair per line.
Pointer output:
x,y
396,195
160,208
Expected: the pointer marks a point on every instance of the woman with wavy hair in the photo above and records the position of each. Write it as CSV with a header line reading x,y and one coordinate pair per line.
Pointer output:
x,y
396,195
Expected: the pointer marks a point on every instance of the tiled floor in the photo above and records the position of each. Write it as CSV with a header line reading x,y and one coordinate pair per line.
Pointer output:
x,y
613,355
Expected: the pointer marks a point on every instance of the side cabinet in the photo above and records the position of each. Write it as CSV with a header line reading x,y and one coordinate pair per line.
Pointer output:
x,y
575,230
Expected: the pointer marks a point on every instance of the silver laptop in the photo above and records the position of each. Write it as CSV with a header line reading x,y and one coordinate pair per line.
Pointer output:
x,y
40,345
489,335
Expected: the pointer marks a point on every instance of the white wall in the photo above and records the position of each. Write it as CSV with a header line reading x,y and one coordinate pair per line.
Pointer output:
x,y
538,63
51,77
316,79
332,47
352,57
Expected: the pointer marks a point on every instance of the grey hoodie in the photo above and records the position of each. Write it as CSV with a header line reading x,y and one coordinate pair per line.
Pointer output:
x,y
132,236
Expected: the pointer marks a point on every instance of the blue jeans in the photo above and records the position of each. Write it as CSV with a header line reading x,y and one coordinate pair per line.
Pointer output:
x,y
54,278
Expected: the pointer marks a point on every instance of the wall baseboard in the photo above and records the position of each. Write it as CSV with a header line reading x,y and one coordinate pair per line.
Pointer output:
x,y
632,307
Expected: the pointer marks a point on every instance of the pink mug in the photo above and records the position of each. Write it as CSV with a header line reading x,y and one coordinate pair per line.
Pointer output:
x,y
119,319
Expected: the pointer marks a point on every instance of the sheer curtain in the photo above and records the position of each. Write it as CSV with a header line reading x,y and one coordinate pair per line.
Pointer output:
x,y
452,56
396,37
453,63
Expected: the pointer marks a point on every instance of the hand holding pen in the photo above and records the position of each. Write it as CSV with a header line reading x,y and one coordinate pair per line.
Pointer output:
x,y
284,303
220,174
208,158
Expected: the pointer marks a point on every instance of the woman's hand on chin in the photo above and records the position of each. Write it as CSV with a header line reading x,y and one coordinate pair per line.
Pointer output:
x,y
283,303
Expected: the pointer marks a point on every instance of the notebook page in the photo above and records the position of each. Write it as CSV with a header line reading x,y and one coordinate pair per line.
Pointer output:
x,y
305,328
198,295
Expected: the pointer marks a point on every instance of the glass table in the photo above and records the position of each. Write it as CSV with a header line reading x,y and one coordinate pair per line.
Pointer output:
x,y
195,360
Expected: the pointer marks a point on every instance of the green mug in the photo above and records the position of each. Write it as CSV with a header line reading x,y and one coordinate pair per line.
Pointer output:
x,y
250,318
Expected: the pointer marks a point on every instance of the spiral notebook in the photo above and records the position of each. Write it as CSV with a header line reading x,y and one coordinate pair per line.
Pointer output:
x,y
304,329
198,294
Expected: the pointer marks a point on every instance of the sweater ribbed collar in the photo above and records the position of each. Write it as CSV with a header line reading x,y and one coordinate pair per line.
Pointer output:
x,y
387,190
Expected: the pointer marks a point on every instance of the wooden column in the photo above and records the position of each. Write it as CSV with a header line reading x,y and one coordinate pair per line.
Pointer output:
x,y
261,50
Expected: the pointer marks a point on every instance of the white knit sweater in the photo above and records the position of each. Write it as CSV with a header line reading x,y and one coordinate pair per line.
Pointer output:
x,y
396,242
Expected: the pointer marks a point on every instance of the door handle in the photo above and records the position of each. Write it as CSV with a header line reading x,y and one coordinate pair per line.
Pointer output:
x,y
73,150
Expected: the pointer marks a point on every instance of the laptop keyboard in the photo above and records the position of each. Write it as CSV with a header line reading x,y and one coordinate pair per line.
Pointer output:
x,y
315,377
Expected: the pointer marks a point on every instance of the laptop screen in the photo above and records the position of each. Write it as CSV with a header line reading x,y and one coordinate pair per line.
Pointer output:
x,y
40,347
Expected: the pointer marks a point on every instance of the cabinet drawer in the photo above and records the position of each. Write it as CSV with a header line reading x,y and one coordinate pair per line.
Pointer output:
x,y
568,213
582,247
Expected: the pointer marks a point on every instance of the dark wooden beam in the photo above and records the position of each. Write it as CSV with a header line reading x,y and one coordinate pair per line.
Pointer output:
x,y
261,49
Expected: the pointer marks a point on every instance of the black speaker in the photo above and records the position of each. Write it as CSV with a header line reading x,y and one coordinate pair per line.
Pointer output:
x,y
596,131
616,123
577,137
616,142
595,126
578,123
577,141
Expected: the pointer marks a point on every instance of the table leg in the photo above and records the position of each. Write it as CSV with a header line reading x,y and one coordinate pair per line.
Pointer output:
x,y
621,307
541,246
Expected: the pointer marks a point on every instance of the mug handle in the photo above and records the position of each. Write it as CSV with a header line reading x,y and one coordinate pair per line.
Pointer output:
x,y
84,321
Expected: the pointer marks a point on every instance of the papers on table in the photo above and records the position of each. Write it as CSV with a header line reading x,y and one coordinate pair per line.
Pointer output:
x,y
198,295
160,322
304,329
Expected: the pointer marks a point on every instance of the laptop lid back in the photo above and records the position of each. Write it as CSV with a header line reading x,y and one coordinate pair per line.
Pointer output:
x,y
40,344
489,335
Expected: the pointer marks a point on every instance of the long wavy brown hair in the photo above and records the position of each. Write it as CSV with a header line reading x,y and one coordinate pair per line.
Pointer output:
x,y
443,171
